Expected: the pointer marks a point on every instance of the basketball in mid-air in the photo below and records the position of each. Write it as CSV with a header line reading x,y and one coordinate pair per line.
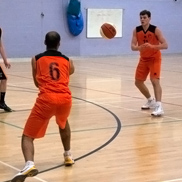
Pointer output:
x,y
107,30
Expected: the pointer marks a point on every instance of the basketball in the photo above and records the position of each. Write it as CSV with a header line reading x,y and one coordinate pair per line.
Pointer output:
x,y
108,31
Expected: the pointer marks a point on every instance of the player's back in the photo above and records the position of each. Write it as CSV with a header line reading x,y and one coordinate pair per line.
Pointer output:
x,y
52,72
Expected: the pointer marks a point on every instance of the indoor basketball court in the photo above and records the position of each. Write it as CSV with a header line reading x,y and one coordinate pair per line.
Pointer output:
x,y
113,140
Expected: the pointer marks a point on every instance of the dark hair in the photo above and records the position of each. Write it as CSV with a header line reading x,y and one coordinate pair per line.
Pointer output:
x,y
145,12
52,39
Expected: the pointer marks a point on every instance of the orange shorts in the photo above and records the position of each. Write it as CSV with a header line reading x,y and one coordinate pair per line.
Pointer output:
x,y
46,106
152,66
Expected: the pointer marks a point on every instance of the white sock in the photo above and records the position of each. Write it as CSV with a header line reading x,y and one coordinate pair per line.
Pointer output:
x,y
150,99
67,152
158,103
29,163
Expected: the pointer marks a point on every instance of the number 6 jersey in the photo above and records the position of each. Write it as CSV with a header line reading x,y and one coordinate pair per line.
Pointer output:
x,y
52,72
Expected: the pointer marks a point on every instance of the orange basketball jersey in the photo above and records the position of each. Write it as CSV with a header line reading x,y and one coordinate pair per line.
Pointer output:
x,y
52,72
147,37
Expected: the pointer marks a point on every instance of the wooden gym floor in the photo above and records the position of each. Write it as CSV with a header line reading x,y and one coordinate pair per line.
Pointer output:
x,y
112,139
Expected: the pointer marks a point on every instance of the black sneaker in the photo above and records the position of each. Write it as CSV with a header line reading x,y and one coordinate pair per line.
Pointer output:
x,y
5,107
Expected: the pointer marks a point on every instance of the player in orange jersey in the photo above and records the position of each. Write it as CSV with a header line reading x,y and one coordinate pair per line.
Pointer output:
x,y
149,40
51,70
3,77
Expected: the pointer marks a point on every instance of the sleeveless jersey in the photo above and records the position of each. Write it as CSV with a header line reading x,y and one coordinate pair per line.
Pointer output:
x,y
147,37
52,72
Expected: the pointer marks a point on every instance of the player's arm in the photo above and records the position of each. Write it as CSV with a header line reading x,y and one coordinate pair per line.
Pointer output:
x,y
72,68
134,43
34,71
163,43
2,52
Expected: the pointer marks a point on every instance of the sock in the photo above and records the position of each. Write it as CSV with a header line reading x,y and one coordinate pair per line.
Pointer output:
x,y
150,98
2,97
158,103
67,152
29,163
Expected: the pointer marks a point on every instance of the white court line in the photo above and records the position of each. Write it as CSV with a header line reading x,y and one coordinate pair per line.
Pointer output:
x,y
19,170
134,110
17,84
173,180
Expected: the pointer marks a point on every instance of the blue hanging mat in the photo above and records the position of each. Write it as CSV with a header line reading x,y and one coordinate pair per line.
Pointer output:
x,y
75,17
74,7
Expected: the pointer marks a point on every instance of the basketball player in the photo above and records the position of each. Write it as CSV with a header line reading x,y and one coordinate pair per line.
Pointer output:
x,y
149,40
3,77
50,70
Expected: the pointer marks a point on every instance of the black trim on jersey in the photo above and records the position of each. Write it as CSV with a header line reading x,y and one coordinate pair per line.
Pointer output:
x,y
51,53
151,29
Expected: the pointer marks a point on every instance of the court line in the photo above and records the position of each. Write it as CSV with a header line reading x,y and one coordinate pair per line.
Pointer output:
x,y
11,125
140,111
95,90
173,180
5,164
118,128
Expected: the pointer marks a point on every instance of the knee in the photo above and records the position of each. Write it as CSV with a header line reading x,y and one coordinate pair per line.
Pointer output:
x,y
155,82
138,83
26,138
65,132
4,81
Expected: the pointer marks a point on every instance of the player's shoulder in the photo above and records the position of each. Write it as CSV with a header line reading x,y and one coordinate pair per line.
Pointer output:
x,y
152,28
139,28
65,57
38,56
51,53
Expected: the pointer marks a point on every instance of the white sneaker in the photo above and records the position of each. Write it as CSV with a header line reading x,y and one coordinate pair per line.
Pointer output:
x,y
28,171
149,105
68,161
158,111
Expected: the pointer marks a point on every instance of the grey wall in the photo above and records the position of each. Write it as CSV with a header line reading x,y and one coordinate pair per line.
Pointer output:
x,y
24,28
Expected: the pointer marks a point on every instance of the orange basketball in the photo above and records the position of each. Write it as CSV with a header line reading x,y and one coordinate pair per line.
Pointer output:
x,y
108,31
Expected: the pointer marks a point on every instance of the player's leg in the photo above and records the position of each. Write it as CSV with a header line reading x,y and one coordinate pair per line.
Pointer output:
x,y
65,135
157,89
3,86
158,111
64,129
28,151
142,87
27,146
141,74
35,127
155,80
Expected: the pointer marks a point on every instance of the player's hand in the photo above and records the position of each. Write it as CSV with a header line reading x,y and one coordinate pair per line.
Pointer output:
x,y
141,47
147,45
7,64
